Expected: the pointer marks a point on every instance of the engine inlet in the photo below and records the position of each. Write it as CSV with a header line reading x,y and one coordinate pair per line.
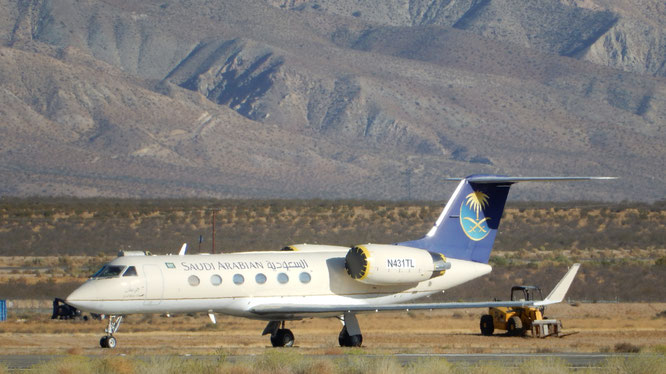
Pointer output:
x,y
356,262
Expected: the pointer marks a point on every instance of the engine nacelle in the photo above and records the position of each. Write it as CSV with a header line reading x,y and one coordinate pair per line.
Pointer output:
x,y
314,248
383,264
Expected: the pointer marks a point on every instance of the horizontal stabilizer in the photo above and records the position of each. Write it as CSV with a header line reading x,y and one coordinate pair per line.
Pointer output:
x,y
502,179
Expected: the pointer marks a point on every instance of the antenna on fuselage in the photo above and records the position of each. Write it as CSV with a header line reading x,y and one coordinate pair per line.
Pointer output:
x,y
212,245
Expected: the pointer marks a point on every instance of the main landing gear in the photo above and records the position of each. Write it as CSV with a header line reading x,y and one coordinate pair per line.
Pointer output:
x,y
108,341
347,340
350,335
280,337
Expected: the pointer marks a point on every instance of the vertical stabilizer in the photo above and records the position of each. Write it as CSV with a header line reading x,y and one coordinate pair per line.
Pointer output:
x,y
468,224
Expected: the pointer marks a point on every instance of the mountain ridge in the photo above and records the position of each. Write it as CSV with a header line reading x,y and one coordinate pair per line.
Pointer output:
x,y
311,99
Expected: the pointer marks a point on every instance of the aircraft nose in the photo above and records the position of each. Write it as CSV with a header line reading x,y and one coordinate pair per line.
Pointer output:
x,y
85,297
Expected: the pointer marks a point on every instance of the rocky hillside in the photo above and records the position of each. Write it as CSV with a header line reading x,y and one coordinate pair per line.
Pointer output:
x,y
373,99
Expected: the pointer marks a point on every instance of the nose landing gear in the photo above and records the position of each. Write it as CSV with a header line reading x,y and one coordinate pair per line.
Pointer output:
x,y
109,341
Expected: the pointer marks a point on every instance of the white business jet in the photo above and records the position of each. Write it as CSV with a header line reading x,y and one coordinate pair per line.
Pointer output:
x,y
305,281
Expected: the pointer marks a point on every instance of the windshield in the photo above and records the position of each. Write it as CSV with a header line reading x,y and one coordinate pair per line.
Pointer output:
x,y
108,271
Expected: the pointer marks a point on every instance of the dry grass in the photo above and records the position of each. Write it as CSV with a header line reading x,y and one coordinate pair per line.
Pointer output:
x,y
599,327
286,361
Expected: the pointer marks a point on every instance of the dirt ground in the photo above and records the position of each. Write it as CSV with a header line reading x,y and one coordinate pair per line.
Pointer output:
x,y
596,328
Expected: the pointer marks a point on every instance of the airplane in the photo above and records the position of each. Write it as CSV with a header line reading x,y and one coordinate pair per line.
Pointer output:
x,y
305,280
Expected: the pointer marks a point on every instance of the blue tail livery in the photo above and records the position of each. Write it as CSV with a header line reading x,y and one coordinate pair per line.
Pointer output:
x,y
467,227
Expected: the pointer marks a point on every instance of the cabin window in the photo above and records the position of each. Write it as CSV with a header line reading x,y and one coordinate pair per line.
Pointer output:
x,y
304,277
238,279
283,278
193,280
260,278
109,271
215,279
130,272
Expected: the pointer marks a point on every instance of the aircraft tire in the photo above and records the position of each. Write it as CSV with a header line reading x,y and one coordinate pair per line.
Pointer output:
x,y
346,340
343,337
515,326
108,342
282,338
487,325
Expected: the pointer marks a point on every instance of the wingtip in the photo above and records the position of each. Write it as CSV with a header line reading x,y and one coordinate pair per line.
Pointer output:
x,y
562,287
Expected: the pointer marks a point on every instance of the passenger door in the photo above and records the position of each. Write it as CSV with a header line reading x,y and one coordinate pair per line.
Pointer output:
x,y
154,284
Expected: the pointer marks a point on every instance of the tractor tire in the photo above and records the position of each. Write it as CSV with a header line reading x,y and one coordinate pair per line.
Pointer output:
x,y
487,325
515,326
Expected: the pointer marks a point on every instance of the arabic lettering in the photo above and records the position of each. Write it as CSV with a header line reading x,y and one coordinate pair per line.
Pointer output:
x,y
244,265
286,265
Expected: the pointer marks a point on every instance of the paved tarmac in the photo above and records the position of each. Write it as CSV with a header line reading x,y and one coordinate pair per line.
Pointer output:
x,y
575,360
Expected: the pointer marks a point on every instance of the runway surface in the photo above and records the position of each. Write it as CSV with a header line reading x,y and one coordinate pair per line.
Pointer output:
x,y
575,360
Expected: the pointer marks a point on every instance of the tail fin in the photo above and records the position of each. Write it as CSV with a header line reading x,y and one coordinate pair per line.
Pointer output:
x,y
468,224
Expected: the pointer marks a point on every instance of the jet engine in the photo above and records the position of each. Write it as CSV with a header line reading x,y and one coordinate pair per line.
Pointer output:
x,y
383,264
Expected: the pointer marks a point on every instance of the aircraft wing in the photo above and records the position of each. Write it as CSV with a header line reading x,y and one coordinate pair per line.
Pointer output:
x,y
313,309
555,296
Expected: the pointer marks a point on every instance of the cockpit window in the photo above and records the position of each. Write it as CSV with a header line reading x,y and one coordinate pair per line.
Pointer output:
x,y
130,272
109,271
98,272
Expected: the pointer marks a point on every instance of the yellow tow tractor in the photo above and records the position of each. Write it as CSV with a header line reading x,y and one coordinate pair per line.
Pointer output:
x,y
518,320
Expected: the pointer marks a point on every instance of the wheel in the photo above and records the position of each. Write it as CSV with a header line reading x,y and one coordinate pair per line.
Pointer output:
x,y
356,340
108,342
515,326
347,340
487,325
282,338
343,338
